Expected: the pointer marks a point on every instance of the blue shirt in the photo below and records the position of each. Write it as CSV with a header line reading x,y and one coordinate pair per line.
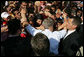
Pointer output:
x,y
54,37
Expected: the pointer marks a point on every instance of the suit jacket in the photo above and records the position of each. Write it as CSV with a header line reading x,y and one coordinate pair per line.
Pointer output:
x,y
81,27
80,31
69,45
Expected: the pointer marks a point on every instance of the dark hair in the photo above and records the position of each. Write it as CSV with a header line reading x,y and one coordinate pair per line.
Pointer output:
x,y
60,21
68,11
23,1
31,19
40,44
39,16
13,26
76,20
53,6
71,11
48,7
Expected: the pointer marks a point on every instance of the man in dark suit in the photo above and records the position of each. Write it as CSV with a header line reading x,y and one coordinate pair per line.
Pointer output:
x,y
69,45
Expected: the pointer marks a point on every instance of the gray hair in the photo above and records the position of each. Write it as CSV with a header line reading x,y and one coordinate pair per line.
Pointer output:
x,y
48,22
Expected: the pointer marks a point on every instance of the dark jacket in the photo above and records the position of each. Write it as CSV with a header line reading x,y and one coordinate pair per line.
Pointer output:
x,y
69,45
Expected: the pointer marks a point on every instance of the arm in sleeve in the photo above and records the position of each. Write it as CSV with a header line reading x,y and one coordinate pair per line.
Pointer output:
x,y
32,30
60,34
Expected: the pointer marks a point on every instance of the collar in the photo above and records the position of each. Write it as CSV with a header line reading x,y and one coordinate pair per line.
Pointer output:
x,y
69,32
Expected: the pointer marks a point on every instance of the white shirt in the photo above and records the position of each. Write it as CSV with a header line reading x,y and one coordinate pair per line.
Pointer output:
x,y
69,32
54,37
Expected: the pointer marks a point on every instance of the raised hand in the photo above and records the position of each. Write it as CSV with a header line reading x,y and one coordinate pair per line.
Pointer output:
x,y
63,26
25,23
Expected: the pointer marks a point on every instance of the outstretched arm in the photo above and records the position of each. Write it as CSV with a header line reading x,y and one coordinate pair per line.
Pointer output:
x,y
23,15
65,22
30,29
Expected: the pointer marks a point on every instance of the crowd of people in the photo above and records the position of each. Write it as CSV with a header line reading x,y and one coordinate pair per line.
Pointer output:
x,y
42,28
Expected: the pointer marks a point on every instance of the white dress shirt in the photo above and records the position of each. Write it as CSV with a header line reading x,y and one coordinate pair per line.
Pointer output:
x,y
54,37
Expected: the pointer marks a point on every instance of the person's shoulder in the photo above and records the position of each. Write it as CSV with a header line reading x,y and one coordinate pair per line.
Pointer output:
x,y
73,36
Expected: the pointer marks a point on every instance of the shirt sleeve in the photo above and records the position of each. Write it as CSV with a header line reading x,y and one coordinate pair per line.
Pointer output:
x,y
32,30
59,34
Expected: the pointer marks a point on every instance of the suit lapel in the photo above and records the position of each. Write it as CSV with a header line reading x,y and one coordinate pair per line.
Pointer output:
x,y
69,36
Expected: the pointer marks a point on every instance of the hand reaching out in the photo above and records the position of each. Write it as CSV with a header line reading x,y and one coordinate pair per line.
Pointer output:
x,y
41,27
25,23
64,26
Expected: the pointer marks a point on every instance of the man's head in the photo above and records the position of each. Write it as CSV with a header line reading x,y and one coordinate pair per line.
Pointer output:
x,y
39,19
48,23
73,23
40,44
